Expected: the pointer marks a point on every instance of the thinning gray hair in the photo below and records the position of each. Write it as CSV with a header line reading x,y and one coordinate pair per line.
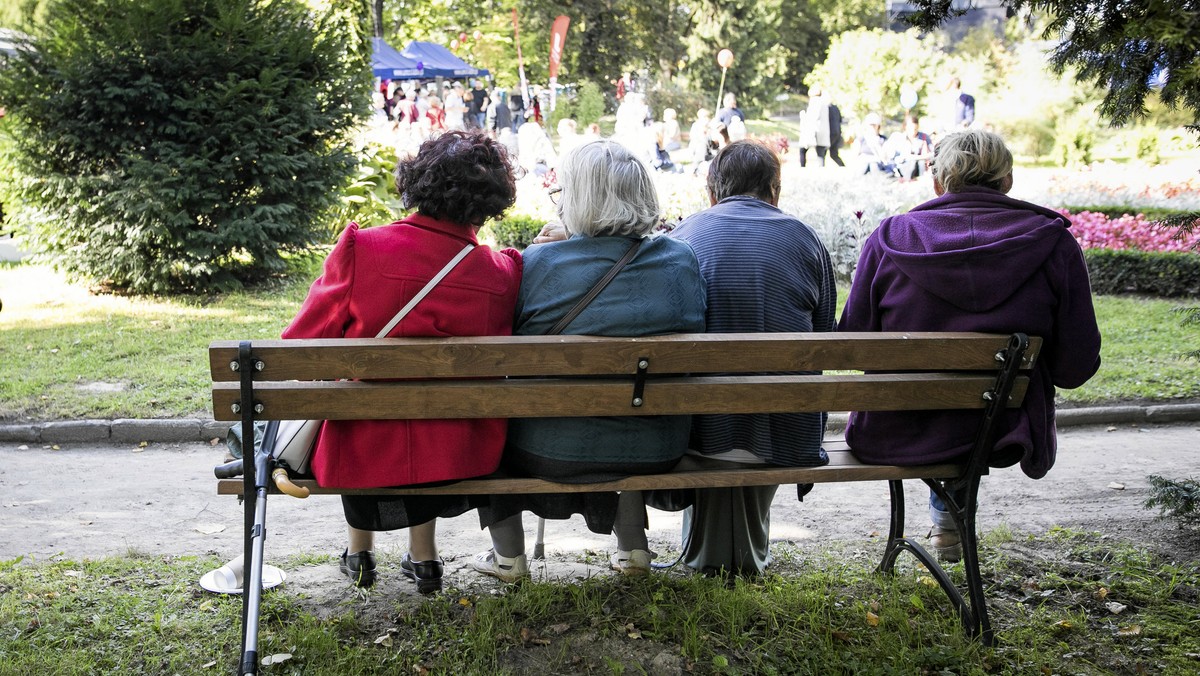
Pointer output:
x,y
606,191
971,158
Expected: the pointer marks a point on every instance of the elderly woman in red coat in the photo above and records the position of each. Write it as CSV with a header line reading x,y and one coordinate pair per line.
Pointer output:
x,y
456,182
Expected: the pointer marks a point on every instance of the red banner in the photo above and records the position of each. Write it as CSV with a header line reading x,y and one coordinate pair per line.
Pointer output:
x,y
558,36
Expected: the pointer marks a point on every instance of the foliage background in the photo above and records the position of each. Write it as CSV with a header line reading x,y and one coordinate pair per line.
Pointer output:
x,y
180,145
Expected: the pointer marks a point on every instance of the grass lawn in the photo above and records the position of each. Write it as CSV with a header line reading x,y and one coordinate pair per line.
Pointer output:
x,y
67,354
817,612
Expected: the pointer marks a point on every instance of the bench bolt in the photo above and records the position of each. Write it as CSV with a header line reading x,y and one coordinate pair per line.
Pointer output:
x,y
644,364
259,408
989,395
1000,356
234,366
259,365
237,408
637,401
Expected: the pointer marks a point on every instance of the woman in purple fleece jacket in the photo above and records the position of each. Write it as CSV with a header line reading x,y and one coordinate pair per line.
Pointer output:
x,y
974,259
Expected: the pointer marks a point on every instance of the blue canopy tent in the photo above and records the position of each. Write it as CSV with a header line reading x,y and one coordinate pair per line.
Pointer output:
x,y
441,62
389,64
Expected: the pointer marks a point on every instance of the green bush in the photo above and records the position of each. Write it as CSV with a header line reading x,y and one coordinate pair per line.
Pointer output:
x,y
1178,499
1074,139
183,145
589,104
369,197
1168,274
516,230
1147,146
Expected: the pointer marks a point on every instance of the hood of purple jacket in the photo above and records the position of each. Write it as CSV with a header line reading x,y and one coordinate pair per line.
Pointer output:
x,y
964,247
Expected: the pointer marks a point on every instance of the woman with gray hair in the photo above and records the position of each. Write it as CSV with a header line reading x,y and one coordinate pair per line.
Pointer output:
x,y
974,259
608,205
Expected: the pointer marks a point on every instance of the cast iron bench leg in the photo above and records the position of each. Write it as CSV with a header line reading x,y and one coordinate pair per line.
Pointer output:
x,y
974,616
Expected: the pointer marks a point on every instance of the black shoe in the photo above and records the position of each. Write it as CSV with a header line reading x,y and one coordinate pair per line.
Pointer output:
x,y
427,574
360,568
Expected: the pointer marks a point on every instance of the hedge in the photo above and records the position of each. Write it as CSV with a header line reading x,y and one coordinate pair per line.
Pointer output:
x,y
516,231
1169,274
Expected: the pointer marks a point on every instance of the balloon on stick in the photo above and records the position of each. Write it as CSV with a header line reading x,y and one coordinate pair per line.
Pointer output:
x,y
724,60
908,97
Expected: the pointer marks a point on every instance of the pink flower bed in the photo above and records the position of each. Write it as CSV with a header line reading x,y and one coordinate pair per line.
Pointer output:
x,y
1097,231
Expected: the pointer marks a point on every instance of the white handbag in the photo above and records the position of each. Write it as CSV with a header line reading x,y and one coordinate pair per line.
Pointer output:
x,y
292,443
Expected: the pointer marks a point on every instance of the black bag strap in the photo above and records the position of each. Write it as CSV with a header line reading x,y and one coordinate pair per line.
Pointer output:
x,y
591,295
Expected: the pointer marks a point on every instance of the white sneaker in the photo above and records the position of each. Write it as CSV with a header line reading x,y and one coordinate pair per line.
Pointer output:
x,y
635,562
501,567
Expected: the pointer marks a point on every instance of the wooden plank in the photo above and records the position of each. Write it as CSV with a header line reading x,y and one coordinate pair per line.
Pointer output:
x,y
493,356
842,467
575,397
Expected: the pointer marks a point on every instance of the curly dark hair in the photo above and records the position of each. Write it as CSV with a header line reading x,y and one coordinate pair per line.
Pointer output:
x,y
461,177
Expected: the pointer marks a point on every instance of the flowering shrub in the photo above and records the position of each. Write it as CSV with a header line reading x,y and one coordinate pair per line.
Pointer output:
x,y
1098,231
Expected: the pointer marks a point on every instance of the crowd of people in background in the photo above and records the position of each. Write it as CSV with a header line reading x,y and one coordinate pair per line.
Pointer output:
x,y
407,113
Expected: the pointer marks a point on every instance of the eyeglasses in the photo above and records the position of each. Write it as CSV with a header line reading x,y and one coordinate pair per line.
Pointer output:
x,y
554,193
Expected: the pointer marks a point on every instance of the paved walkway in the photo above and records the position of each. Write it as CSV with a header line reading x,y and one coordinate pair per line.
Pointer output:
x,y
90,499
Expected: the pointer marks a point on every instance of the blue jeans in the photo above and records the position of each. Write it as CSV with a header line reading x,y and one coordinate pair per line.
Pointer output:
x,y
938,513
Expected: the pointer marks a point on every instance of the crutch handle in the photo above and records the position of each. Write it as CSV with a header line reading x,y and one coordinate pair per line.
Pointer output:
x,y
229,469
284,483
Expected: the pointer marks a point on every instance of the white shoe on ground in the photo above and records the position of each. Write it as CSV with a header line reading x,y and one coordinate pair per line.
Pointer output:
x,y
635,562
503,568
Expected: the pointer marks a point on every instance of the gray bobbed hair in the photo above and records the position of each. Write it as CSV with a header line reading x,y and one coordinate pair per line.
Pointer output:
x,y
606,191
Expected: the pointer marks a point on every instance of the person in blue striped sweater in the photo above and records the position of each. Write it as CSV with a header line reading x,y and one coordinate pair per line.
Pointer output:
x,y
764,271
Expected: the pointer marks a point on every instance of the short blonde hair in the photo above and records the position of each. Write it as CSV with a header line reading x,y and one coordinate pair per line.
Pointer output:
x,y
970,158
606,191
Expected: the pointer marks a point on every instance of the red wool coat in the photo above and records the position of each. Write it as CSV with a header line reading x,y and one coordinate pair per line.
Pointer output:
x,y
368,277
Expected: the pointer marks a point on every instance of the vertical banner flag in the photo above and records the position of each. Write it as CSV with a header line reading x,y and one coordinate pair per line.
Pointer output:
x,y
521,63
558,36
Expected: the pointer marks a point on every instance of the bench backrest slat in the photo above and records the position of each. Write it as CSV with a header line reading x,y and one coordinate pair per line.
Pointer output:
x,y
588,355
500,398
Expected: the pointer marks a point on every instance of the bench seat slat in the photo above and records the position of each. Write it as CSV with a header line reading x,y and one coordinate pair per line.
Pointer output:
x,y
842,467
494,356
499,398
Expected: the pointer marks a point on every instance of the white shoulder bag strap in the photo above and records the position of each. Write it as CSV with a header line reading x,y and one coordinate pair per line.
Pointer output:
x,y
425,291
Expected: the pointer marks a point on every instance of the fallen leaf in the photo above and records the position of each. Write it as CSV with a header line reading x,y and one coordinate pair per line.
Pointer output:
x,y
56,447
385,640
210,665
874,605
143,444
73,573
927,581
558,629
1116,486
540,641
1064,624
872,619
277,658
1110,429
464,601
842,636
1130,631
1115,608
1102,593
635,634
214,441
139,449
210,528
23,447
527,635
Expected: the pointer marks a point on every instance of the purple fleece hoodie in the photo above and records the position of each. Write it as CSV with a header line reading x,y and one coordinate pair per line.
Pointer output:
x,y
975,260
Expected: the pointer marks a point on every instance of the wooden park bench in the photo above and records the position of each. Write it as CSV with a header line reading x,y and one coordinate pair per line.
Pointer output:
x,y
573,376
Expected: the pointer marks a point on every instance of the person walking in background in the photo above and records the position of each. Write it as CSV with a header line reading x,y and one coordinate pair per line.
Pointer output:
x,y
478,106
835,134
815,127
740,242
974,259
456,183
608,205
960,107
699,145
456,108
